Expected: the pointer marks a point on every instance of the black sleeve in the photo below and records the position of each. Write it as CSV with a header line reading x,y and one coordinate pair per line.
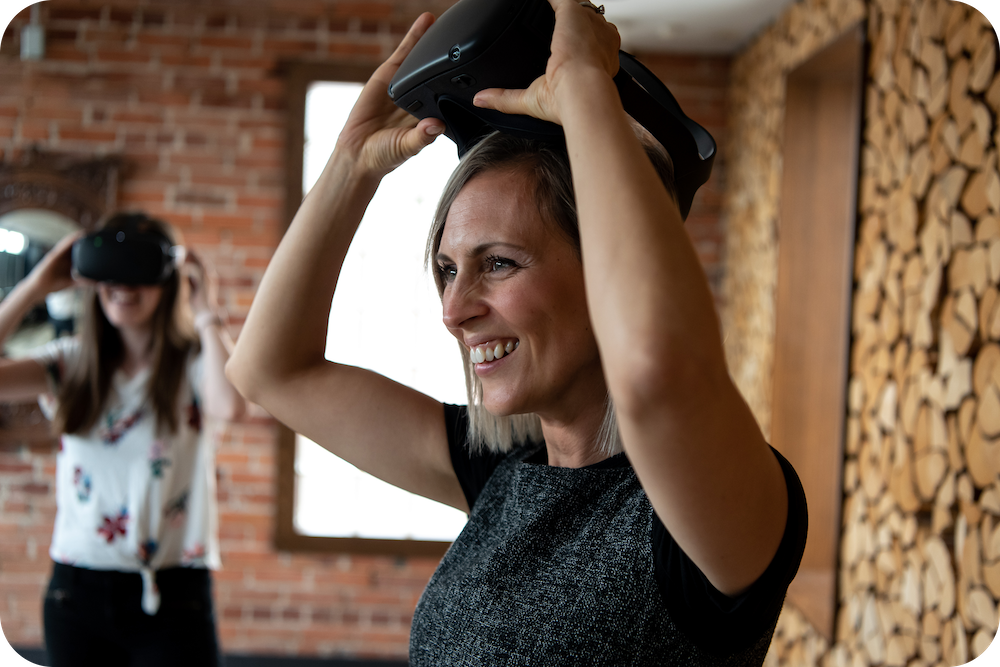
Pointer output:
x,y
714,621
472,469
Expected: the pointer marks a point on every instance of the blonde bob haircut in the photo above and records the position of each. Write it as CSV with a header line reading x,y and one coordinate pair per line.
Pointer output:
x,y
548,164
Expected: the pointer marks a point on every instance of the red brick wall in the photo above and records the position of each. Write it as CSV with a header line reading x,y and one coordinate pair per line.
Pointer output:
x,y
190,95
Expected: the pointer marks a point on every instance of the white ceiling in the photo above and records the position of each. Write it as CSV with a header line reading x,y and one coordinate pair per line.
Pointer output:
x,y
690,26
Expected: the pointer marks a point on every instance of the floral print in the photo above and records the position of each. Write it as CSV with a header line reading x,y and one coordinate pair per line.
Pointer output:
x,y
114,526
157,459
82,483
116,426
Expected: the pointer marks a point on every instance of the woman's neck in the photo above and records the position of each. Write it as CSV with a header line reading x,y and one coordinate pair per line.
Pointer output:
x,y
138,348
573,443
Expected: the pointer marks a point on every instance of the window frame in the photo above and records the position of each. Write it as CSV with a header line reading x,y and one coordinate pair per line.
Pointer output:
x,y
299,76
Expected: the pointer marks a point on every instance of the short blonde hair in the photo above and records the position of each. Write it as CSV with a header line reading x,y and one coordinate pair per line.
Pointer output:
x,y
548,164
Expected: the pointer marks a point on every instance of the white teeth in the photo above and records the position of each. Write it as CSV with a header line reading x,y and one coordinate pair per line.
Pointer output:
x,y
481,354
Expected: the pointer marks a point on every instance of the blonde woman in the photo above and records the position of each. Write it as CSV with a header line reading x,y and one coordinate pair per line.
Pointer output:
x,y
624,508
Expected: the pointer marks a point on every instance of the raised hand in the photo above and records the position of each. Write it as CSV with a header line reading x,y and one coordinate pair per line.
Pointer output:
x,y
378,134
55,270
583,42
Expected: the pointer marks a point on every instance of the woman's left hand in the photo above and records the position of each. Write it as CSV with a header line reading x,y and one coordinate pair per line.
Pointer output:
x,y
583,42
202,296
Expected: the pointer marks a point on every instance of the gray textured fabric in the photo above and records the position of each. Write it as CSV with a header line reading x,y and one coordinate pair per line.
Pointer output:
x,y
555,567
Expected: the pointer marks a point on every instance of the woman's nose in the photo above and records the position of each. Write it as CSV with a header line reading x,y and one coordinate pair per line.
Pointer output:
x,y
460,303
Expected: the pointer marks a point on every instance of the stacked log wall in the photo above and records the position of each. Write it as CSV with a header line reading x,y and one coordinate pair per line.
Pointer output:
x,y
919,574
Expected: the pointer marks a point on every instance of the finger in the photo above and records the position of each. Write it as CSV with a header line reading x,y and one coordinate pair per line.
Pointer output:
x,y
504,100
424,134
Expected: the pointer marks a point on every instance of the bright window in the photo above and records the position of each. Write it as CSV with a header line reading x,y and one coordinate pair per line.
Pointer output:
x,y
389,319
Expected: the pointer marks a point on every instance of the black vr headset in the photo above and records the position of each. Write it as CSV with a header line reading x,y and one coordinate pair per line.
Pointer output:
x,y
129,254
479,44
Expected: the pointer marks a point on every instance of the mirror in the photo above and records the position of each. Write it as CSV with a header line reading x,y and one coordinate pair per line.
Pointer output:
x,y
44,197
25,236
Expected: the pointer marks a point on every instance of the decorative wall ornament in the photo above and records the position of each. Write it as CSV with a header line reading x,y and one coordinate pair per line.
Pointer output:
x,y
82,189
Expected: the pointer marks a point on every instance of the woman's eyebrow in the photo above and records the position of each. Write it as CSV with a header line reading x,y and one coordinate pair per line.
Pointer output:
x,y
481,249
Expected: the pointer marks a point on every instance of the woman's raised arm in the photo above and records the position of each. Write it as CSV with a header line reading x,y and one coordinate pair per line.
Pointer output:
x,y
694,443
384,428
24,379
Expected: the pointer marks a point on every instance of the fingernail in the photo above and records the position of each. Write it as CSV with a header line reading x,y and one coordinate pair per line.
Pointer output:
x,y
434,130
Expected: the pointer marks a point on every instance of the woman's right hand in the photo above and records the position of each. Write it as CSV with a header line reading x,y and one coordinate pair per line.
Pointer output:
x,y
378,135
54,271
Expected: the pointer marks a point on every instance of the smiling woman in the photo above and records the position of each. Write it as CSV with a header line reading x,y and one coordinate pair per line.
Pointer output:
x,y
623,505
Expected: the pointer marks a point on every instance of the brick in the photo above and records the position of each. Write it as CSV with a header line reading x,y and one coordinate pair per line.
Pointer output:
x,y
225,42
58,13
82,134
145,117
185,60
146,38
290,46
354,49
364,10
118,56
65,53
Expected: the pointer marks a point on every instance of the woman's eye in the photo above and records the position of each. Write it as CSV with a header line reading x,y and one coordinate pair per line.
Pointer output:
x,y
446,272
495,263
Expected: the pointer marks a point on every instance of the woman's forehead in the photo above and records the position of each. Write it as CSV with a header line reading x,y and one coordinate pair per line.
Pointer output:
x,y
495,206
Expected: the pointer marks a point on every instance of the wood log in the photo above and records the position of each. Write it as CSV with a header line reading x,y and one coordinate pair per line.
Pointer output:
x,y
991,576
973,149
930,22
990,502
983,62
939,577
986,310
921,170
986,369
914,121
955,459
959,100
960,332
988,414
980,642
960,650
961,231
969,269
933,56
969,558
966,419
959,383
993,93
975,198
982,123
955,33
938,98
981,609
929,469
920,86
983,457
934,244
988,230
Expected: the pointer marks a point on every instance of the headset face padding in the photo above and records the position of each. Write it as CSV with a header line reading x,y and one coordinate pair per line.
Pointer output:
x,y
479,44
124,256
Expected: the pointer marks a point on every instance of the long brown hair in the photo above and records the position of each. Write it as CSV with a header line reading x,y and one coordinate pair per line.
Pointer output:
x,y
85,389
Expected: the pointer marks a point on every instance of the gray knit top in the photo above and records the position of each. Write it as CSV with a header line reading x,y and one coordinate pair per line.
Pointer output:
x,y
564,566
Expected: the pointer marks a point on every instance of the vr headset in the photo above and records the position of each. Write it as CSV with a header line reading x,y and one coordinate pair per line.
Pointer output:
x,y
479,44
127,255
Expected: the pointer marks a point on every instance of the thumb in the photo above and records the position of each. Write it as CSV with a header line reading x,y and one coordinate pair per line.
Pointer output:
x,y
504,100
424,134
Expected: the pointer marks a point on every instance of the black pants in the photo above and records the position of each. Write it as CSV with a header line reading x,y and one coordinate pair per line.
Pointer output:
x,y
94,617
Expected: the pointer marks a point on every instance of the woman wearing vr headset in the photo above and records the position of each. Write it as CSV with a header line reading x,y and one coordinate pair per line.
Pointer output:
x,y
135,532
624,506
